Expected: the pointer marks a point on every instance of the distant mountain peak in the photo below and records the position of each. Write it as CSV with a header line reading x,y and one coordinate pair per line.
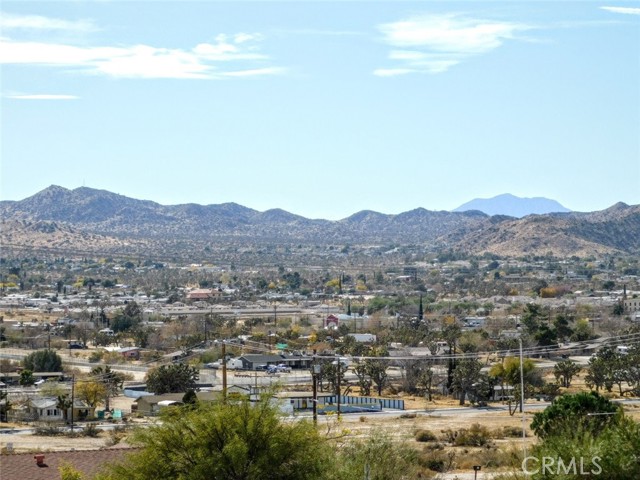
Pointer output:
x,y
513,206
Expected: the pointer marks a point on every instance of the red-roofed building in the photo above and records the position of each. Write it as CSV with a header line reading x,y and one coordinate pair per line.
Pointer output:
x,y
25,466
331,321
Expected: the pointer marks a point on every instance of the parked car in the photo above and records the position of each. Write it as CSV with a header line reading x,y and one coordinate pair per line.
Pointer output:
x,y
282,368
214,365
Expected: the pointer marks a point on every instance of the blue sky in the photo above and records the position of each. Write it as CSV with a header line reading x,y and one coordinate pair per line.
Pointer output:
x,y
323,108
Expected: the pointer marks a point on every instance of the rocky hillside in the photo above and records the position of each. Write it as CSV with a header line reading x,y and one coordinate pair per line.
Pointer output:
x,y
615,229
19,236
85,217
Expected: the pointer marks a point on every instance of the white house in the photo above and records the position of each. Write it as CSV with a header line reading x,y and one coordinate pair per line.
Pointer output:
x,y
46,409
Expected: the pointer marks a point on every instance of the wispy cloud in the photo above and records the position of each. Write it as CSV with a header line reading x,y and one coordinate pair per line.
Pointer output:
x,y
203,61
624,10
435,43
10,21
43,97
318,32
392,72
256,72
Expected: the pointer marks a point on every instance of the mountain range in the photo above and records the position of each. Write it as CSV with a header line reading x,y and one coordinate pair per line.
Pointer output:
x,y
100,220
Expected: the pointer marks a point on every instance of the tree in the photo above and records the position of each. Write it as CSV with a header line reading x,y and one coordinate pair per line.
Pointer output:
x,y
331,372
5,405
562,328
509,372
426,379
26,377
190,398
52,388
610,452
531,317
173,378
364,381
606,369
43,361
575,413
465,375
91,392
582,331
232,441
64,403
564,372
111,380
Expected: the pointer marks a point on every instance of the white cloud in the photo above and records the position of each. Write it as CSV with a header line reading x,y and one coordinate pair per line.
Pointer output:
x,y
624,10
255,72
138,61
409,55
450,37
392,72
42,96
37,22
247,37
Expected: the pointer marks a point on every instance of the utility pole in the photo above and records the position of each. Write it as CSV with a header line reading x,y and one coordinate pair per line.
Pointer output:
x,y
524,432
224,371
275,316
315,370
73,400
206,320
338,382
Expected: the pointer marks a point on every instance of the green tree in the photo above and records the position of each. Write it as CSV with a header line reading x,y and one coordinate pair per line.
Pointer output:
x,y
531,317
465,375
43,361
562,328
581,411
26,377
173,378
618,309
377,370
564,372
606,369
232,441
190,398
5,405
364,380
609,453
582,331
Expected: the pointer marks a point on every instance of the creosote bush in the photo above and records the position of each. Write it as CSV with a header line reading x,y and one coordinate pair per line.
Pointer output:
x,y
425,436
